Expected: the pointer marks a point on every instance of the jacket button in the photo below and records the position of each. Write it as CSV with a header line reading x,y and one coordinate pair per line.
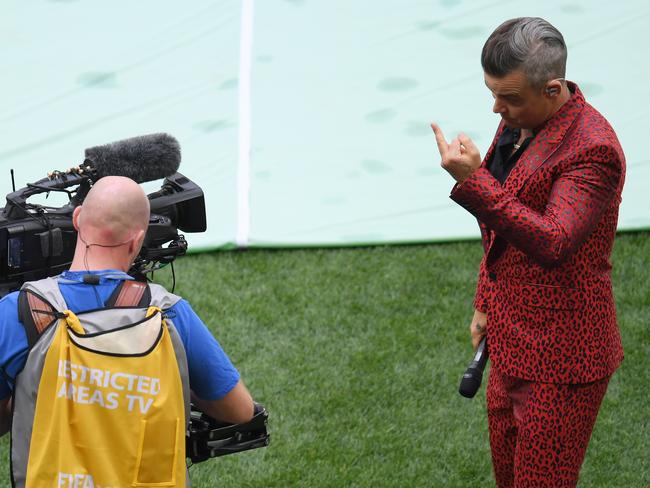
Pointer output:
x,y
492,276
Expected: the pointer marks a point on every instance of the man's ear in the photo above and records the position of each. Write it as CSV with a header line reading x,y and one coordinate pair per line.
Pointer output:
x,y
75,217
553,88
136,243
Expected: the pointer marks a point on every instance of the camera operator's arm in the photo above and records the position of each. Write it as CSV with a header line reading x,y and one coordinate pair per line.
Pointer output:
x,y
234,408
217,388
13,353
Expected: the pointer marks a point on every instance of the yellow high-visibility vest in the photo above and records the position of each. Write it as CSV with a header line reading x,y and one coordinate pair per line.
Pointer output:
x,y
110,409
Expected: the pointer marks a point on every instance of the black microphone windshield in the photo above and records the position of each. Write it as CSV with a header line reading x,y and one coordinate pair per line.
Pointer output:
x,y
142,158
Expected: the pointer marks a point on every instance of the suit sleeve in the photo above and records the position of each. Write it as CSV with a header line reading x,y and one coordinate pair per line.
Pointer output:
x,y
578,199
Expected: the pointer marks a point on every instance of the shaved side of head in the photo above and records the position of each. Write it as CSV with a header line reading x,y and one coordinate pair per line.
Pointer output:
x,y
115,211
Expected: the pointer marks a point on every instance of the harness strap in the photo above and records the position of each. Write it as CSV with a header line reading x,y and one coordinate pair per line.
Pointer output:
x,y
130,293
36,315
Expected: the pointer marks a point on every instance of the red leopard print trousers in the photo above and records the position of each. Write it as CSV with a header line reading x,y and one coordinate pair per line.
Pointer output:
x,y
539,431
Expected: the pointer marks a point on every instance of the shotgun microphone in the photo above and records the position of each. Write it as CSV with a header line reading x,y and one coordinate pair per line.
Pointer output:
x,y
143,158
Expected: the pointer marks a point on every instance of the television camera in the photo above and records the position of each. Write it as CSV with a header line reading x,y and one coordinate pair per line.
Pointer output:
x,y
37,241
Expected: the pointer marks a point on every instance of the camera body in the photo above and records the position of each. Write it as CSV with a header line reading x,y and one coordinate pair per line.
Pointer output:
x,y
37,241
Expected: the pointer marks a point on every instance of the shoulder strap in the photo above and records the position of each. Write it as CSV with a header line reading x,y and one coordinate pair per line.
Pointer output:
x,y
130,293
36,314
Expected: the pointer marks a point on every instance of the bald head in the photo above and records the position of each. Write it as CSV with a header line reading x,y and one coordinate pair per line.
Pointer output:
x,y
116,210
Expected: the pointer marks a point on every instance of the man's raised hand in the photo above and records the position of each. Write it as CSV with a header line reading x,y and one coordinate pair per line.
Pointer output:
x,y
460,157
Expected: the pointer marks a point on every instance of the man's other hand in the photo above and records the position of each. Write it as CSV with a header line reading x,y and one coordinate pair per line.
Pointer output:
x,y
478,328
460,158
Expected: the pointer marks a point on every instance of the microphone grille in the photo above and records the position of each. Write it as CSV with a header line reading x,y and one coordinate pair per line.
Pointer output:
x,y
469,384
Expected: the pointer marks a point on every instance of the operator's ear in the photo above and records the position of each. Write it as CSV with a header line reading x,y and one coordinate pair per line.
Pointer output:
x,y
136,242
75,217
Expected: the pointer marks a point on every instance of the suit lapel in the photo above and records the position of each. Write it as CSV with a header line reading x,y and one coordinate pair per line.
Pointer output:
x,y
546,141
490,151
487,234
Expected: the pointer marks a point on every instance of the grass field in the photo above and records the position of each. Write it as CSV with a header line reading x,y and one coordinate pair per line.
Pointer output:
x,y
357,354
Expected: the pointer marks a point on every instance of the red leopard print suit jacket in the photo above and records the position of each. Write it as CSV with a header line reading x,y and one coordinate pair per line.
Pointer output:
x,y
548,232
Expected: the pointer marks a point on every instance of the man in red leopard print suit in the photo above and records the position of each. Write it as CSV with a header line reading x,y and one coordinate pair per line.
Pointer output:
x,y
546,196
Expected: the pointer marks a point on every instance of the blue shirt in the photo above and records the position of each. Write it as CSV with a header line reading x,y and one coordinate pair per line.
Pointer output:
x,y
212,375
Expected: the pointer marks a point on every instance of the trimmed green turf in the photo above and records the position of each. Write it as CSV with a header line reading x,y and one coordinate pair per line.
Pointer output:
x,y
357,354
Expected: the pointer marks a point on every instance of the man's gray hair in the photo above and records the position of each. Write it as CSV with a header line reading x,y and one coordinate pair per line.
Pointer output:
x,y
529,44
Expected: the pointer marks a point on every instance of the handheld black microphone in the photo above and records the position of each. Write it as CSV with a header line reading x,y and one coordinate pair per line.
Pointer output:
x,y
471,380
142,158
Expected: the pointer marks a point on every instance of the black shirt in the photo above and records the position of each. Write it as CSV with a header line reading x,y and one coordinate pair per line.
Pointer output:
x,y
503,159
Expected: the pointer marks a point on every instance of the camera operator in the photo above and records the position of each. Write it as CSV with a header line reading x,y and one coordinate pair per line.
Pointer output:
x,y
111,226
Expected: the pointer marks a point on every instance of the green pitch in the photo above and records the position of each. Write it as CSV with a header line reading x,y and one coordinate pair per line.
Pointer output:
x,y
357,354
